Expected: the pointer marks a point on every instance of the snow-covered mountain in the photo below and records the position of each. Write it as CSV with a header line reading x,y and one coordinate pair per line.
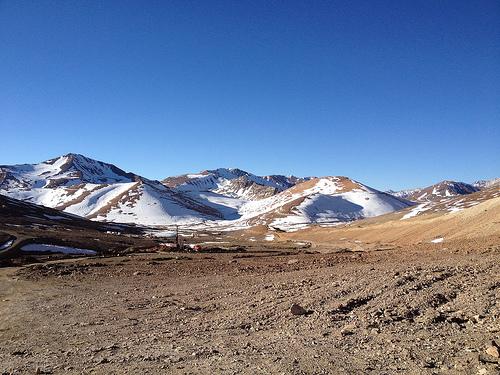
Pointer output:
x,y
223,198
326,200
405,194
448,196
96,190
484,184
67,170
452,203
437,192
233,182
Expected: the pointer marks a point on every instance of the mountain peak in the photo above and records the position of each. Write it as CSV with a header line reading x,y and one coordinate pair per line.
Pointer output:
x,y
75,155
66,170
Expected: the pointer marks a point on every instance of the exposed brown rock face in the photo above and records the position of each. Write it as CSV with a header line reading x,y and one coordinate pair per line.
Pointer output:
x,y
244,187
173,182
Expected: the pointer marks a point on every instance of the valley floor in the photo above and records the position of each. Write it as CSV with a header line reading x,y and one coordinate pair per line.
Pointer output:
x,y
415,310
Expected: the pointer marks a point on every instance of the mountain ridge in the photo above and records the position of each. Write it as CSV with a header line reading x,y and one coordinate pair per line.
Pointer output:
x,y
223,197
93,189
444,189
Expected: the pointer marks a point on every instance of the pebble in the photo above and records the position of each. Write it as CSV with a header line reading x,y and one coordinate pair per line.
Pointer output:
x,y
493,351
347,329
297,310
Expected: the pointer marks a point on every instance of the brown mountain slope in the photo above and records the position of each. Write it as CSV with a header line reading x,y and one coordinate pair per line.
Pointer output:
x,y
478,222
24,223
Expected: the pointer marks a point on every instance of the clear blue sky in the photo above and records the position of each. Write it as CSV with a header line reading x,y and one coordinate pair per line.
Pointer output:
x,y
392,93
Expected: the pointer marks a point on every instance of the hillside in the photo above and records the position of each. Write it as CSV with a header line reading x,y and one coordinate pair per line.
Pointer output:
x,y
326,200
477,218
26,228
224,198
66,170
233,182
441,190
97,190
483,184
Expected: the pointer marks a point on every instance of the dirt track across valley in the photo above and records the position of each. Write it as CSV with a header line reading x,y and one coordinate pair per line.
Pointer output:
x,y
414,310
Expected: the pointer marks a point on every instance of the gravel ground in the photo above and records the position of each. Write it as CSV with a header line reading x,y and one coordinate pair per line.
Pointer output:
x,y
414,310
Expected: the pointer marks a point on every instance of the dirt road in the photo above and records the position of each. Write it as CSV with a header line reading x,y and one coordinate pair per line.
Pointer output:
x,y
430,310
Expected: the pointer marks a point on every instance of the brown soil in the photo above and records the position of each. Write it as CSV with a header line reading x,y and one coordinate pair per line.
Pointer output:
x,y
413,310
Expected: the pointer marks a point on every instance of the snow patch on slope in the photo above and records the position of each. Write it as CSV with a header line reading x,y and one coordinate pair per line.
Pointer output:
x,y
34,247
415,211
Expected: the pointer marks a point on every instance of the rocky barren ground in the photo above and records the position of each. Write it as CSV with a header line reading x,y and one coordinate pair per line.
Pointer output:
x,y
415,310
